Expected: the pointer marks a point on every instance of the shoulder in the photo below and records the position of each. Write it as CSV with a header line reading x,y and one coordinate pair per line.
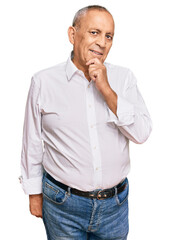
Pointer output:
x,y
119,75
116,69
49,73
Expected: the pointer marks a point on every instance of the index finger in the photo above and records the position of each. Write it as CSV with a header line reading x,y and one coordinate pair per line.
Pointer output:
x,y
92,61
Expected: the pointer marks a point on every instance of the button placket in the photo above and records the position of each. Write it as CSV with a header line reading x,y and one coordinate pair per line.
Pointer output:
x,y
91,117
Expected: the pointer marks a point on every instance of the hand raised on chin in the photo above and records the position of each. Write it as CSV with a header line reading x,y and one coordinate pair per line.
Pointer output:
x,y
97,72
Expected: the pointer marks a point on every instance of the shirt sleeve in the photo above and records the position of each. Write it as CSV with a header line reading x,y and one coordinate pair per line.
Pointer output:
x,y
133,118
32,146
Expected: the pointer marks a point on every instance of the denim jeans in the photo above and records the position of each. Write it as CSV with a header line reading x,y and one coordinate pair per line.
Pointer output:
x,y
71,217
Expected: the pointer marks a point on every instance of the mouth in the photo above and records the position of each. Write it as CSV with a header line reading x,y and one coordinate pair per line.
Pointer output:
x,y
96,52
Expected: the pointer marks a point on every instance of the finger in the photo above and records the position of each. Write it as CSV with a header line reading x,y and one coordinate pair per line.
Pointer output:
x,y
93,61
94,75
37,214
92,68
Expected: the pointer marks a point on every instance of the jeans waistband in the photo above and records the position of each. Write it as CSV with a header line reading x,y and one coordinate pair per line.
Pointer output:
x,y
99,194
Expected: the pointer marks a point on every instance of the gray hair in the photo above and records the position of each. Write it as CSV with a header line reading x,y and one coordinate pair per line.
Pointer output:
x,y
83,11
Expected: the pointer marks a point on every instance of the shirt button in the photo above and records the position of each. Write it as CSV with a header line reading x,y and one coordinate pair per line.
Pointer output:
x,y
89,106
94,147
91,126
97,168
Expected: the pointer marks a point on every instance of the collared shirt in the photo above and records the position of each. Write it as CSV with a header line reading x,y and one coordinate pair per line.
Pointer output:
x,y
70,131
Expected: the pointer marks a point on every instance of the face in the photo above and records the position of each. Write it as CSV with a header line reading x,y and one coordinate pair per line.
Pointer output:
x,y
93,39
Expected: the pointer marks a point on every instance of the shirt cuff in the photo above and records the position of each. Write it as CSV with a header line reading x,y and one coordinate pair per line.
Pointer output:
x,y
125,113
32,185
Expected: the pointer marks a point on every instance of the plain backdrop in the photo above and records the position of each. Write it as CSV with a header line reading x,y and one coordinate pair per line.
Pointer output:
x,y
34,37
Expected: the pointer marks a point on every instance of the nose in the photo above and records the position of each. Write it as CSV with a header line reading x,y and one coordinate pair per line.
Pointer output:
x,y
101,41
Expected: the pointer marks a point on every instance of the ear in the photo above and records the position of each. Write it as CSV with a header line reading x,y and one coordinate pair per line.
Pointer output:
x,y
71,34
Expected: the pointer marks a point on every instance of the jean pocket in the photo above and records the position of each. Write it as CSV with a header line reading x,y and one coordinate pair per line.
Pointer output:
x,y
123,196
54,193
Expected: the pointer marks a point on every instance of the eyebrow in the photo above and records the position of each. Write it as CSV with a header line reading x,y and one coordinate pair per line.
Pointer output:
x,y
101,31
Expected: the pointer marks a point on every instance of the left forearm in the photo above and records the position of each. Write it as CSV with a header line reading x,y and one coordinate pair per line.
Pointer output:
x,y
98,73
111,99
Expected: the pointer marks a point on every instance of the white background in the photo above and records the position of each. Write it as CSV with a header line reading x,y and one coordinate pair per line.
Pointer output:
x,y
34,37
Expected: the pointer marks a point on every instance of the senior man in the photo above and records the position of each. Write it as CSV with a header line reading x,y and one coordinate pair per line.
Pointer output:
x,y
84,111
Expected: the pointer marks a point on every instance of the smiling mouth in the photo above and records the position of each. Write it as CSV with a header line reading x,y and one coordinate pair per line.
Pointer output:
x,y
98,53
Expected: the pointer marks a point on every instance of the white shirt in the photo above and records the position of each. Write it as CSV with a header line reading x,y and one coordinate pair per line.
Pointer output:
x,y
71,133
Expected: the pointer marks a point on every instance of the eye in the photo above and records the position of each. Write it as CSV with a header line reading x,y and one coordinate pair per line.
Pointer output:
x,y
109,37
94,32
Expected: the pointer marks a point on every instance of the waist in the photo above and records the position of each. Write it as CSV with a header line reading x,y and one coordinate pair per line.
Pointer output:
x,y
83,176
97,193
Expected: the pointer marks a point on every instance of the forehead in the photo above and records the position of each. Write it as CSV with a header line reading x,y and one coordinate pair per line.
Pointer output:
x,y
98,20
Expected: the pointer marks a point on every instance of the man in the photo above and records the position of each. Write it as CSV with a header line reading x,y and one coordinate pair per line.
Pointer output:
x,y
85,111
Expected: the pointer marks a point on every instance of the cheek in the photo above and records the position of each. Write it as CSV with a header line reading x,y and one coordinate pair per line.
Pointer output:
x,y
107,50
109,47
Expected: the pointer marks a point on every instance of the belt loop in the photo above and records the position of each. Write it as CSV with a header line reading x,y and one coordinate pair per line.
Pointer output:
x,y
69,191
116,191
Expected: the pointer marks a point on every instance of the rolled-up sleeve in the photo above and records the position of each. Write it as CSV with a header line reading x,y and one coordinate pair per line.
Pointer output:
x,y
32,146
133,118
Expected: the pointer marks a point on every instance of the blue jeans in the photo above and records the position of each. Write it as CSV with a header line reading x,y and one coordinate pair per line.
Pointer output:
x,y
71,217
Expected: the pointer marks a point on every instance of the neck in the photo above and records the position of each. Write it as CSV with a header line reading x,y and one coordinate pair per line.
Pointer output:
x,y
84,69
87,76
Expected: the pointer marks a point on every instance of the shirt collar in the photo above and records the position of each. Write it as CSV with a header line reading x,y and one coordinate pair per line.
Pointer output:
x,y
70,67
